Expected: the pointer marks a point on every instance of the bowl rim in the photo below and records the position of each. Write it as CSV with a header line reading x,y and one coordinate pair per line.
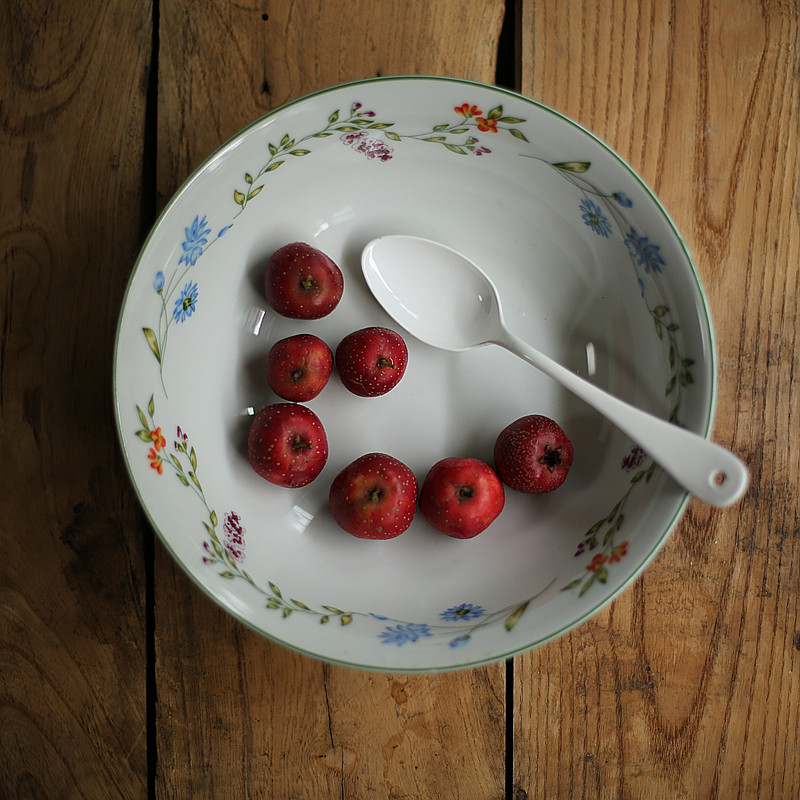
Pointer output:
x,y
591,610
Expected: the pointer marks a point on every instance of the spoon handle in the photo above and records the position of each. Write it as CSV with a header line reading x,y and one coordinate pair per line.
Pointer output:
x,y
707,470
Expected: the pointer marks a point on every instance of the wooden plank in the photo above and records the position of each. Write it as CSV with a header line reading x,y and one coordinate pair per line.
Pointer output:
x,y
237,715
688,686
72,661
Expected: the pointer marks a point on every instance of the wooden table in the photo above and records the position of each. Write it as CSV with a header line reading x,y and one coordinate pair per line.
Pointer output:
x,y
119,678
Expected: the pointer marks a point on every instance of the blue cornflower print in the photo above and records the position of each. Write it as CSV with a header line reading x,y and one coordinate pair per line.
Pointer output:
x,y
593,217
404,632
194,242
186,303
158,283
459,641
643,252
623,199
463,612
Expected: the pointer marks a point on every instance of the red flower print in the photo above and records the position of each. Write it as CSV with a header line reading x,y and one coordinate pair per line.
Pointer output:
x,y
618,552
487,124
466,110
597,562
155,461
158,439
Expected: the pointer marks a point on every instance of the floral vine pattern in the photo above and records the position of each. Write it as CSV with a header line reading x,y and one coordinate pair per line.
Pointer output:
x,y
359,129
602,213
451,134
603,533
468,618
358,120
176,310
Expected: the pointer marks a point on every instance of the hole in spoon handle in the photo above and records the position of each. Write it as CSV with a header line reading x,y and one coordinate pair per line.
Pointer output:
x,y
728,482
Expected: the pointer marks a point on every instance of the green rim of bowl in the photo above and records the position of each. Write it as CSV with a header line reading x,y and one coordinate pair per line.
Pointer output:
x,y
659,542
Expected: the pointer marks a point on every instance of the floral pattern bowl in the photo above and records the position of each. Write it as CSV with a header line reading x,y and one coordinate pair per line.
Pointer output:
x,y
591,271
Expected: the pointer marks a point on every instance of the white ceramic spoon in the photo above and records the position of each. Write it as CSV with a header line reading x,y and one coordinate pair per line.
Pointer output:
x,y
443,299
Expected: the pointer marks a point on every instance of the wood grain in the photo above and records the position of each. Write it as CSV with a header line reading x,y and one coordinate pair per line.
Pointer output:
x,y
263,721
689,685
72,661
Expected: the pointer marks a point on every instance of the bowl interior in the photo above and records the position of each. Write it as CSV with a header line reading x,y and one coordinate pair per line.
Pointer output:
x,y
590,270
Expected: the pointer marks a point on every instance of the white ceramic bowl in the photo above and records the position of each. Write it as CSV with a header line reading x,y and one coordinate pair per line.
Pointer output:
x,y
591,270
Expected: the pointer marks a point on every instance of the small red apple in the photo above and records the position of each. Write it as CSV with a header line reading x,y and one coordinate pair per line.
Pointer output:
x,y
302,282
374,497
287,445
461,496
533,454
371,361
299,366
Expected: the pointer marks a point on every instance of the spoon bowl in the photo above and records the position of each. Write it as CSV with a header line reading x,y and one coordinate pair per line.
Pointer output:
x,y
433,292
445,300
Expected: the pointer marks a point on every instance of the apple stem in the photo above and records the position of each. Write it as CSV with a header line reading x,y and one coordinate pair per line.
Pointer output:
x,y
298,443
382,362
465,492
296,375
307,282
375,495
